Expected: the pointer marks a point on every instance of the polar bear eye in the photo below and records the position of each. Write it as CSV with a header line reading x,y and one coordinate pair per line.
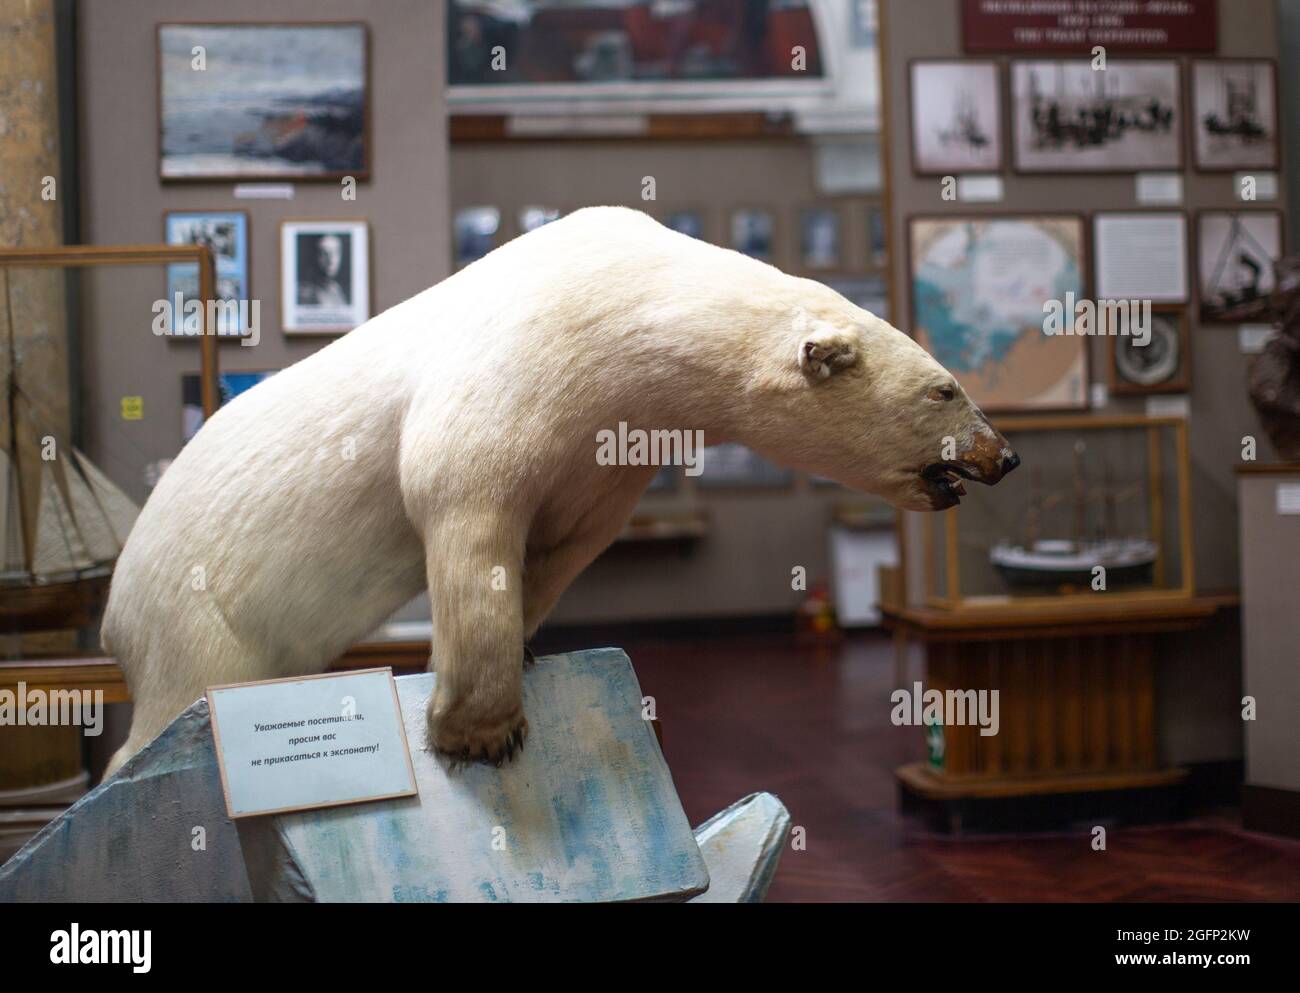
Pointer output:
x,y
943,394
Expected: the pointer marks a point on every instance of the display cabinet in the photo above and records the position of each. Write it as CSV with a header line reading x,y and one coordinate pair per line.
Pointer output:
x,y
1100,507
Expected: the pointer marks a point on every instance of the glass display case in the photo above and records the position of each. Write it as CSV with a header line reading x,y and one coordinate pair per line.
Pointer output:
x,y
77,463
1099,507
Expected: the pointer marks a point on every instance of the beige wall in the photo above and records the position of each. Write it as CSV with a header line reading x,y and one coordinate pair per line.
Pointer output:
x,y
123,201
1271,631
756,537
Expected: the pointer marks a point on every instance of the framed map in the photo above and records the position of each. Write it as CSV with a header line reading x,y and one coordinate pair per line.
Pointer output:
x,y
981,290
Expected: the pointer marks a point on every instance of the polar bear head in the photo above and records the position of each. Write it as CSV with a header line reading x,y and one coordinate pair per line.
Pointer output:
x,y
862,403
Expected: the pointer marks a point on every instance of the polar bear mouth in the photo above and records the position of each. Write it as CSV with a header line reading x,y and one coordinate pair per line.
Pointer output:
x,y
943,481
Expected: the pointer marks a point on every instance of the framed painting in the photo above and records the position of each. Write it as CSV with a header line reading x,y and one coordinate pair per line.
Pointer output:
x,y
231,385
240,102
982,291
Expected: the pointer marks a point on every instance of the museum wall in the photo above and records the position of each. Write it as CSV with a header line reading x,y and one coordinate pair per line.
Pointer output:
x,y
742,565
1220,411
1196,671
122,199
1288,16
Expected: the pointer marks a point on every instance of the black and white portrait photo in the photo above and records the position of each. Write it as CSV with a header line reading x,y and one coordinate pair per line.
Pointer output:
x,y
1234,108
956,117
1070,117
325,275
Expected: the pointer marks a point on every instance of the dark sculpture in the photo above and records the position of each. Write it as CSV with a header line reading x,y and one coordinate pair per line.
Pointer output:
x,y
1275,374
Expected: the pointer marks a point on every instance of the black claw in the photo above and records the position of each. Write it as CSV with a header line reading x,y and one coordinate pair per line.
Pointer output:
x,y
529,657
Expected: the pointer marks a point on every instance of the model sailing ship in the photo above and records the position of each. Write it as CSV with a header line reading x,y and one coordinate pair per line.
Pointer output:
x,y
1049,564
64,521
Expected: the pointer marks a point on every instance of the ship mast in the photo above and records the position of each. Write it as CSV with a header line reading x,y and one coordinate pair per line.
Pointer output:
x,y
17,513
1080,494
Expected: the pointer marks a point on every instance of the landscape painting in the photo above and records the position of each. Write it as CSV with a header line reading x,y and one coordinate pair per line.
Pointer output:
x,y
1070,117
263,102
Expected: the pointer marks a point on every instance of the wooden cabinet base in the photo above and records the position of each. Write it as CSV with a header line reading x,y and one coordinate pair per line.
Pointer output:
x,y
918,778
1040,803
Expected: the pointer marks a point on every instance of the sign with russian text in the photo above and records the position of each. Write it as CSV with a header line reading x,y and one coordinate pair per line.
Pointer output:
x,y
1082,25
308,742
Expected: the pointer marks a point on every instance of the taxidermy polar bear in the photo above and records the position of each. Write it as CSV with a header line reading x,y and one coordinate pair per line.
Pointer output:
x,y
451,442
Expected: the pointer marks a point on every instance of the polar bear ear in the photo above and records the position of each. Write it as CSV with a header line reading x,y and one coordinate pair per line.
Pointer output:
x,y
825,349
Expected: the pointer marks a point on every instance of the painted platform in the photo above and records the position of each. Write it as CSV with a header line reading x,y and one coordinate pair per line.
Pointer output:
x,y
742,846
133,838
588,812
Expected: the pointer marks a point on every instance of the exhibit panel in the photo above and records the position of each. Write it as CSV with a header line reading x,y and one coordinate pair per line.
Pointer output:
x,y
1171,256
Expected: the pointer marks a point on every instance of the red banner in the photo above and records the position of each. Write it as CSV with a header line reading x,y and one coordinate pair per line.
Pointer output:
x,y
1081,25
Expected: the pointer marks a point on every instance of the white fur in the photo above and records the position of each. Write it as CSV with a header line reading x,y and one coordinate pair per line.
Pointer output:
x,y
473,410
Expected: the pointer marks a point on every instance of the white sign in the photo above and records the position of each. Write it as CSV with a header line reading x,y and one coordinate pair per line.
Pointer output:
x,y
264,191
1163,189
312,741
1177,405
1288,498
1264,186
1251,338
980,189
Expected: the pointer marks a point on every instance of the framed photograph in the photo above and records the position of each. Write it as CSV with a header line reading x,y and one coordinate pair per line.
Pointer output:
x,y
877,241
1070,117
324,276
231,385
476,232
956,111
754,233
730,465
1141,255
263,101
1235,114
532,218
690,222
982,290
1235,252
225,233
664,481
819,237
1158,361
867,292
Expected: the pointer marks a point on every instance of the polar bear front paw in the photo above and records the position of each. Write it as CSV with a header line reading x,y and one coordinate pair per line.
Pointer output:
x,y
463,740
